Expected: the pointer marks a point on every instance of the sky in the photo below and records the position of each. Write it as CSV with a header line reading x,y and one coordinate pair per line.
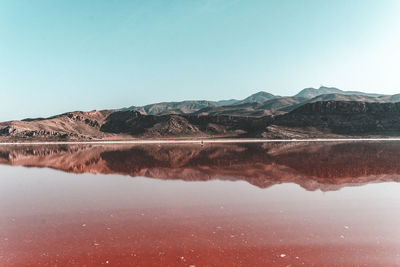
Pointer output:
x,y
58,56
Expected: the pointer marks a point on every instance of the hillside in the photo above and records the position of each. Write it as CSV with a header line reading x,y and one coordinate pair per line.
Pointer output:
x,y
344,117
138,124
67,126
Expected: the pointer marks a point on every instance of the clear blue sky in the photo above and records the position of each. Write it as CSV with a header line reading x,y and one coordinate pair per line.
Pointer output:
x,y
58,56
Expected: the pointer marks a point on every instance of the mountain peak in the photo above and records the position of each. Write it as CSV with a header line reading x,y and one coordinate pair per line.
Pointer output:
x,y
312,92
262,93
323,88
260,96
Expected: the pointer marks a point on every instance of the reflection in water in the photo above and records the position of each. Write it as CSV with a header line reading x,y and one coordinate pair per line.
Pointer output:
x,y
54,218
325,166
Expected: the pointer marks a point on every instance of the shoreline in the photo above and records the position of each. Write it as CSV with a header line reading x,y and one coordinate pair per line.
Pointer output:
x,y
197,141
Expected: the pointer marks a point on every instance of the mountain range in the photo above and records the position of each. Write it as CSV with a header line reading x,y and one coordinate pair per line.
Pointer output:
x,y
275,102
322,112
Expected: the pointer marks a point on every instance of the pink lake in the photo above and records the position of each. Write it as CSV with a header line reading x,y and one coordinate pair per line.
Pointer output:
x,y
223,205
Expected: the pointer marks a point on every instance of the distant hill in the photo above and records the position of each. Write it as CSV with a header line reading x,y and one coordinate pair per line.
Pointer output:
x,y
336,97
258,97
390,98
182,107
227,102
257,109
281,104
312,92
190,106
347,97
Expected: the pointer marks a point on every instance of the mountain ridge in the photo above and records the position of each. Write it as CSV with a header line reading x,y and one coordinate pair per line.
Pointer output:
x,y
322,90
191,106
325,115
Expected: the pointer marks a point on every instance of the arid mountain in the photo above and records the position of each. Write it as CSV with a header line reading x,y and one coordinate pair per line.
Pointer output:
x,y
318,119
183,107
71,125
256,109
186,107
312,92
261,103
130,124
227,102
281,105
338,97
278,107
258,97
344,97
261,115
314,166
137,124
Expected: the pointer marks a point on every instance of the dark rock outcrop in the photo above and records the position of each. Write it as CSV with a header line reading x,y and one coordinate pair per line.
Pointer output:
x,y
348,118
137,124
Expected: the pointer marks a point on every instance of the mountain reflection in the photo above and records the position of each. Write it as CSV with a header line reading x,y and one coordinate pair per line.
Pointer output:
x,y
313,165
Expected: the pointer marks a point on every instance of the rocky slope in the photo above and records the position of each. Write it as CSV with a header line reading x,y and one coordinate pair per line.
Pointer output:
x,y
67,126
138,124
348,118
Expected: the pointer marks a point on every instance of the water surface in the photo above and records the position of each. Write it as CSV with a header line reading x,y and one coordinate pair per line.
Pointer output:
x,y
297,204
